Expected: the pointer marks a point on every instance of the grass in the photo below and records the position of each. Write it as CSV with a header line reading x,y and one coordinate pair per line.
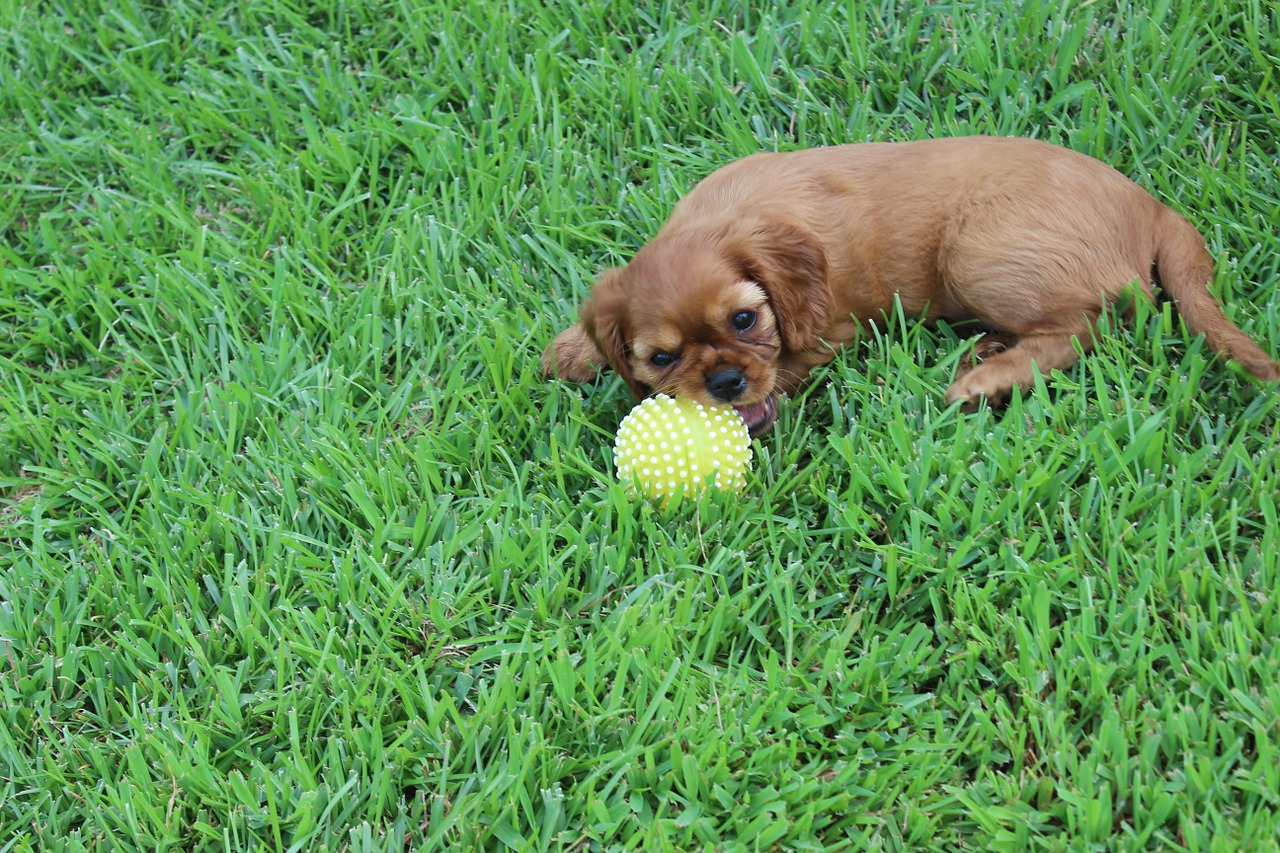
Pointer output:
x,y
299,552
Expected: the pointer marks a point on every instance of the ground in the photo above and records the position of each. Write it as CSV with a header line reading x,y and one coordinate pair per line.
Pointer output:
x,y
298,551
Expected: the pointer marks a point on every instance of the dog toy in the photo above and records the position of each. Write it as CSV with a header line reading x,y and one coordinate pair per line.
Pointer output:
x,y
668,445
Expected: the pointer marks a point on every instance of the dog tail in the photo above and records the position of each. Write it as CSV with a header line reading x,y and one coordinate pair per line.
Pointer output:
x,y
1184,270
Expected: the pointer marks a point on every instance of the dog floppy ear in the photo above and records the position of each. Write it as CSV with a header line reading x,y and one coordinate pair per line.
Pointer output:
x,y
604,319
791,266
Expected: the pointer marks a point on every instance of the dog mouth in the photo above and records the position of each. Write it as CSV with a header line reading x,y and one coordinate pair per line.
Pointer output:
x,y
759,416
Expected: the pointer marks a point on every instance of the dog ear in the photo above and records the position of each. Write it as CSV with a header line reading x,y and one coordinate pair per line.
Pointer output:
x,y
603,318
791,266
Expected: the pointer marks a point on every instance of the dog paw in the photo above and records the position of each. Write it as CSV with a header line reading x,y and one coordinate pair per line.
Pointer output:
x,y
972,390
573,356
969,399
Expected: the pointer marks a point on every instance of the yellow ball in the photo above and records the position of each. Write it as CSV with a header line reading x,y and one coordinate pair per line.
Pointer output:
x,y
667,446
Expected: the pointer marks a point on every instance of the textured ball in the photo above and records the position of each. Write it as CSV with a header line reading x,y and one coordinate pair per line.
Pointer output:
x,y
668,444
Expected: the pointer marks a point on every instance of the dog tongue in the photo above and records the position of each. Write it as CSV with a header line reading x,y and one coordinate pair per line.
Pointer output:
x,y
756,412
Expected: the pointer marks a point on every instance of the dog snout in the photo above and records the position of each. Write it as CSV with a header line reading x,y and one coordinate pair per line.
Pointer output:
x,y
727,385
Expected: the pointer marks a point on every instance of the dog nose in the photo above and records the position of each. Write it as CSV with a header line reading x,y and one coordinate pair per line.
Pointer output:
x,y
727,385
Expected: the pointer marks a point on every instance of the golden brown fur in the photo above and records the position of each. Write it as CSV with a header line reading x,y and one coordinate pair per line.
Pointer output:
x,y
1024,237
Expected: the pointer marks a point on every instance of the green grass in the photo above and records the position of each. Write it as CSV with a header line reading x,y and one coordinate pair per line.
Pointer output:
x,y
299,552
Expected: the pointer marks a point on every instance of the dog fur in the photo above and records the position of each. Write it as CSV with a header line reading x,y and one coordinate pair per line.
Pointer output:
x,y
774,262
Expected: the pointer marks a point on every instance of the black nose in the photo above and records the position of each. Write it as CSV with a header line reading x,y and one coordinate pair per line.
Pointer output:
x,y
727,385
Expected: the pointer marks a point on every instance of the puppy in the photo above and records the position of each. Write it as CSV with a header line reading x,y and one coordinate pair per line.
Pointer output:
x,y
774,262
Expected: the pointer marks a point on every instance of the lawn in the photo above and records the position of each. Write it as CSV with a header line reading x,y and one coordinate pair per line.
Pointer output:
x,y
298,551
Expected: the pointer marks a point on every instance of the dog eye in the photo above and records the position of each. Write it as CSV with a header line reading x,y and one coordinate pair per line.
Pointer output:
x,y
744,320
662,359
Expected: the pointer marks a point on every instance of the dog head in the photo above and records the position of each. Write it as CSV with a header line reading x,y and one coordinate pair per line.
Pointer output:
x,y
708,314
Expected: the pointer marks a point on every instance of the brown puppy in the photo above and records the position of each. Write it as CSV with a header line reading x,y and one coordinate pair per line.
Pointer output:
x,y
773,262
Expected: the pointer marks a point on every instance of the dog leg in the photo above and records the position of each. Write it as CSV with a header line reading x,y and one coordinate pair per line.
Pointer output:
x,y
997,374
985,346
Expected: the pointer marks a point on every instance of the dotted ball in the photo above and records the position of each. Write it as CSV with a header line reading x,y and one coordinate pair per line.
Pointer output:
x,y
666,445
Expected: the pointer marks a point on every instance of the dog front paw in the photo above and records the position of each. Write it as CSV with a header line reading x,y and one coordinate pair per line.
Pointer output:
x,y
573,356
